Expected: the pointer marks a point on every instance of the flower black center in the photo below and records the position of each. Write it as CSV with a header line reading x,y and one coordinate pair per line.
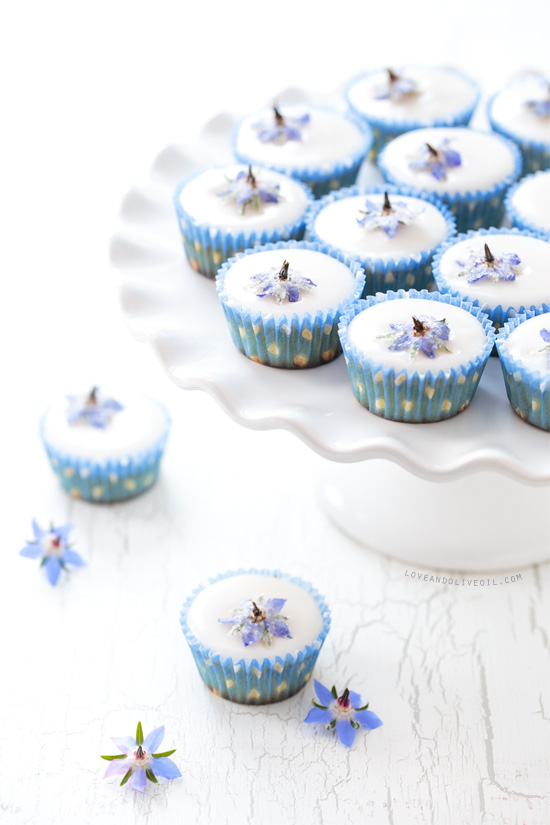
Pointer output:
x,y
387,207
489,257
92,398
392,76
257,614
279,119
343,701
419,329
140,752
283,272
56,541
433,152
250,177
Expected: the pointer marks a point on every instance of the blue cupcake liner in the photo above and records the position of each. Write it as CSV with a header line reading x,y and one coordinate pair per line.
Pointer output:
x,y
109,480
258,682
382,274
499,314
535,154
399,395
320,179
516,217
528,391
384,131
289,341
208,246
475,208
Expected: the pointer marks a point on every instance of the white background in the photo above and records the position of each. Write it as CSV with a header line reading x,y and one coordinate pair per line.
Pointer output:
x,y
90,94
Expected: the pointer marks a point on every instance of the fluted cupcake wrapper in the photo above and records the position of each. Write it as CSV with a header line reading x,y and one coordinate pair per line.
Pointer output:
x,y
109,480
499,314
475,208
535,153
399,395
258,682
516,218
320,179
528,391
382,274
290,341
384,131
207,246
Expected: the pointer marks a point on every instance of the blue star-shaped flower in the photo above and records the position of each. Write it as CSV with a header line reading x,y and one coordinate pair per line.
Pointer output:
x,y
93,409
423,334
137,761
387,216
281,284
245,191
259,621
478,267
397,88
52,548
281,129
343,713
545,335
541,106
436,161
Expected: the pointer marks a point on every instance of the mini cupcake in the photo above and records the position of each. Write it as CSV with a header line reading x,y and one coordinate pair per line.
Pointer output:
x,y
415,356
503,271
469,170
225,210
521,112
103,450
523,345
283,301
324,148
395,102
392,233
528,204
255,635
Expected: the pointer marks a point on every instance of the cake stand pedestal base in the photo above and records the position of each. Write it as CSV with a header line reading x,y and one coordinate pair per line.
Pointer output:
x,y
483,521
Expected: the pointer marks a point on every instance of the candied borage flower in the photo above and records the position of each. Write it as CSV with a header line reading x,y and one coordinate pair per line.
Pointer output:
x,y
281,284
137,761
545,335
500,268
424,334
397,88
259,621
281,128
53,549
246,191
541,106
344,713
436,161
93,409
387,215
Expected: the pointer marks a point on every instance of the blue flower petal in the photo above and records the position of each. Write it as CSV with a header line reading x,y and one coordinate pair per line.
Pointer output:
x,y
438,170
319,715
164,767
323,694
38,531
274,606
292,133
117,767
346,733
52,566
293,293
125,744
368,719
63,532
278,628
452,158
70,557
153,739
251,632
31,551
545,334
138,779
355,699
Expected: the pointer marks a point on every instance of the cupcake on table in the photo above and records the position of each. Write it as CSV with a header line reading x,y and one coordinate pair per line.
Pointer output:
x,y
469,170
528,204
225,210
324,148
393,102
255,635
504,271
521,111
393,233
105,449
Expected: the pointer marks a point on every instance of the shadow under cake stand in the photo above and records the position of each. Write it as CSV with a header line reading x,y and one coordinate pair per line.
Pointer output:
x,y
468,493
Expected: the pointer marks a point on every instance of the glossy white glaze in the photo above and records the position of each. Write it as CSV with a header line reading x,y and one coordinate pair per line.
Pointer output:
x,y
510,112
525,344
532,199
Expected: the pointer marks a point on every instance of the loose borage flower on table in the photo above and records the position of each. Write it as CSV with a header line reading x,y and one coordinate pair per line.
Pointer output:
x,y
281,284
259,621
137,761
436,161
53,549
245,191
281,128
424,334
344,713
493,267
397,88
93,409
387,215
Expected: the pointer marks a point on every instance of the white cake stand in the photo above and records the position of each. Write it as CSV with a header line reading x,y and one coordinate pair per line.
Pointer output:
x,y
469,493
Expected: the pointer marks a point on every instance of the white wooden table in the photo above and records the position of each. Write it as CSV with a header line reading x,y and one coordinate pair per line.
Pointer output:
x,y
457,673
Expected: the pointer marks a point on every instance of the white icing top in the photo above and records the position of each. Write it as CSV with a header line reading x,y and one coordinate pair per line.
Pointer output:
x,y
486,159
511,113
441,94
531,286
224,598
337,225
201,200
532,199
467,338
329,137
137,427
525,345
334,282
